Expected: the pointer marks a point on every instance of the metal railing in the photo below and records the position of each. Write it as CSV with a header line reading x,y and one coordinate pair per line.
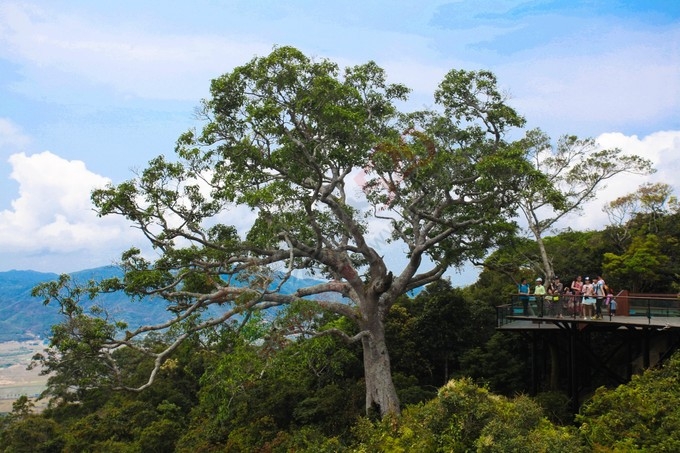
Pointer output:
x,y
539,307
653,306
568,306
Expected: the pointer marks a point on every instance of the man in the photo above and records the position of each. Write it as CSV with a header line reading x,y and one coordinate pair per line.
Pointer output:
x,y
524,289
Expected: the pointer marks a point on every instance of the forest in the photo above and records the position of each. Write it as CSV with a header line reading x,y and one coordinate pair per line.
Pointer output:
x,y
373,367
463,386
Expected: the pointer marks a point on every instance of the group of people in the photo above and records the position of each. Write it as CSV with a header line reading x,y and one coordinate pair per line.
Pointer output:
x,y
584,297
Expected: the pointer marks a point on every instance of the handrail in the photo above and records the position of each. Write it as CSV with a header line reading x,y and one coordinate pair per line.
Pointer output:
x,y
570,306
650,296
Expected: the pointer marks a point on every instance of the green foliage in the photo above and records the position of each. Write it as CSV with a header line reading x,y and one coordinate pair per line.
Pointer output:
x,y
578,253
647,263
643,415
502,363
430,333
571,253
31,434
74,357
556,406
465,417
261,393
640,267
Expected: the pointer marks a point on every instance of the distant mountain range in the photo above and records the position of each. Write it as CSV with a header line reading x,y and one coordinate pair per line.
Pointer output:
x,y
23,317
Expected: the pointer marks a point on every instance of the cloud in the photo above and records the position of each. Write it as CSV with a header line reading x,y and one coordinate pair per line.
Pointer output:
x,y
11,135
661,148
53,213
58,50
52,225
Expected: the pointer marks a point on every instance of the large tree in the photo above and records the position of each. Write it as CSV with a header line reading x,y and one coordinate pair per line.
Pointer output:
x,y
284,143
570,173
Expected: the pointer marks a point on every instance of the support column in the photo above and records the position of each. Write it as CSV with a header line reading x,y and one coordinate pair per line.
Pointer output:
x,y
573,368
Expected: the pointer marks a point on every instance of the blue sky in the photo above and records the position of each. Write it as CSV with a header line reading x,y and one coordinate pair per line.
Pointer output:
x,y
90,91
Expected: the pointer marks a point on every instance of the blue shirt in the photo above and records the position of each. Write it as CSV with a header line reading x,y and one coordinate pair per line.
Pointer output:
x,y
523,288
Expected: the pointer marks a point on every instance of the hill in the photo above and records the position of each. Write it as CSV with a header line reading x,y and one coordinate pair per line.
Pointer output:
x,y
23,317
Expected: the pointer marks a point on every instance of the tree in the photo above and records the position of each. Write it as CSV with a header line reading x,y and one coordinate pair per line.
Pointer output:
x,y
78,358
640,267
642,415
284,139
467,417
568,174
651,201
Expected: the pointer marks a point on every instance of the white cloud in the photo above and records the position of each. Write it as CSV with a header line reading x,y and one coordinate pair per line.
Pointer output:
x,y
52,225
53,213
661,148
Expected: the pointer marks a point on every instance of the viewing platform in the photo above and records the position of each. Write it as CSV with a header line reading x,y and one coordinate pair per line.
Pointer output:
x,y
632,310
577,354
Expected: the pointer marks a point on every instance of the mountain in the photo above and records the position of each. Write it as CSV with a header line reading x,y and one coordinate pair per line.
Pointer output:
x,y
23,317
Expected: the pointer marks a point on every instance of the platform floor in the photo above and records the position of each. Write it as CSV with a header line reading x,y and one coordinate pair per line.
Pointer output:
x,y
535,322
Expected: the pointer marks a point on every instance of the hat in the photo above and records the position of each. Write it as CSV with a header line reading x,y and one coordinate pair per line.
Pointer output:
x,y
539,279
556,277
587,278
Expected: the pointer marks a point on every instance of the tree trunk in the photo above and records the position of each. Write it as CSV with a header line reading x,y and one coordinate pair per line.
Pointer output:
x,y
547,265
381,396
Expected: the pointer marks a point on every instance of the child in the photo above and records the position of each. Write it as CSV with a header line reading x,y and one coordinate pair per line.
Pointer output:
x,y
609,299
612,307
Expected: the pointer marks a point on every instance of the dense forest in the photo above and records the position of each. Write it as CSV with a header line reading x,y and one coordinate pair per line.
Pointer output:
x,y
302,168
250,387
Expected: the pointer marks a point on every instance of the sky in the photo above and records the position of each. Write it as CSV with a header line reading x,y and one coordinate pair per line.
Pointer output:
x,y
91,91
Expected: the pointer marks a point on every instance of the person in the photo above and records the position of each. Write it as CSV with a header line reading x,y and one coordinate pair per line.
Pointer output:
x,y
612,307
577,291
568,301
600,294
588,299
524,289
539,292
555,290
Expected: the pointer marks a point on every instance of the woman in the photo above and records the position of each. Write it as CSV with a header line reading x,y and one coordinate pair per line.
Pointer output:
x,y
588,299
577,291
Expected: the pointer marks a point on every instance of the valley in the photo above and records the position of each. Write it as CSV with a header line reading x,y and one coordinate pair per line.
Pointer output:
x,y
15,379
